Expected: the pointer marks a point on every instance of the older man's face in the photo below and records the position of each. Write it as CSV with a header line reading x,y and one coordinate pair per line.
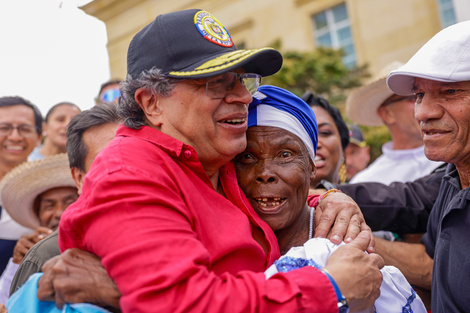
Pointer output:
x,y
443,111
214,127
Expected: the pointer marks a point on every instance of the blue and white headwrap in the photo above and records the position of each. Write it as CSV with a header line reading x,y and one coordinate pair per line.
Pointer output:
x,y
276,107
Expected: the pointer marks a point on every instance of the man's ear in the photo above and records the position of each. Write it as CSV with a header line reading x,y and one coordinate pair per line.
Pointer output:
x,y
386,114
42,134
78,177
313,172
149,103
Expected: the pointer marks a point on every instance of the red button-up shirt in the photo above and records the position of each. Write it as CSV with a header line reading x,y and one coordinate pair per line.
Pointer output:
x,y
172,243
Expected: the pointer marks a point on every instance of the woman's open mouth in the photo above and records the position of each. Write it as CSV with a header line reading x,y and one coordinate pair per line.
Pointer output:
x,y
269,205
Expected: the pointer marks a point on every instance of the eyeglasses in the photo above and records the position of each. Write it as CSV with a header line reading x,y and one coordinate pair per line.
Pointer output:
x,y
24,130
393,100
218,86
110,95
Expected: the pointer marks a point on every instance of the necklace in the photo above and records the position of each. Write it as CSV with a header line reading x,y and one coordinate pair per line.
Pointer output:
x,y
310,228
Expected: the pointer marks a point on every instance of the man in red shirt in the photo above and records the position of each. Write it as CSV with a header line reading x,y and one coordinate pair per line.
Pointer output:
x,y
161,205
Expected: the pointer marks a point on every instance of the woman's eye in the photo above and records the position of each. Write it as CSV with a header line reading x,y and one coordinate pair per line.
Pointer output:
x,y
451,91
247,156
325,133
244,158
286,154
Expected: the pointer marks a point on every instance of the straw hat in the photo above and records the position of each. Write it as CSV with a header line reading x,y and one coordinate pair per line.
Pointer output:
x,y
20,187
362,103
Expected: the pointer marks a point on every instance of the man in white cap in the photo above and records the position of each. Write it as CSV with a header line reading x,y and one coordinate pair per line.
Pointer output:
x,y
403,158
439,75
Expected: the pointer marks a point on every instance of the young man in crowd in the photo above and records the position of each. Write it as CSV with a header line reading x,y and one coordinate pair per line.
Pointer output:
x,y
20,133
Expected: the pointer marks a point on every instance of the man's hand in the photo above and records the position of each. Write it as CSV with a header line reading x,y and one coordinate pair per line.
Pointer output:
x,y
77,276
357,273
27,241
339,218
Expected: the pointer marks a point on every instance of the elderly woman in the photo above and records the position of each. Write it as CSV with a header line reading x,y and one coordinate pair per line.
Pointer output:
x,y
275,172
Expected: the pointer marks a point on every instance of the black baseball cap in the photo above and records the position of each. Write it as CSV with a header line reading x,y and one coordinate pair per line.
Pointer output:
x,y
194,44
355,136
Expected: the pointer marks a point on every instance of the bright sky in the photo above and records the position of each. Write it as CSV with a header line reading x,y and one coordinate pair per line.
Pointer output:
x,y
51,51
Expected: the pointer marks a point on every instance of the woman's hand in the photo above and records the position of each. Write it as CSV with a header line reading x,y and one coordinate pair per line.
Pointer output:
x,y
339,218
27,241
3,309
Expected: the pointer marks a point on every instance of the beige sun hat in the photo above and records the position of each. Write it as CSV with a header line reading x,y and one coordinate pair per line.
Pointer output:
x,y
362,103
20,187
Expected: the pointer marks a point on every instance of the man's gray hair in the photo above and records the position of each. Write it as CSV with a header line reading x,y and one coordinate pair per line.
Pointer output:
x,y
154,82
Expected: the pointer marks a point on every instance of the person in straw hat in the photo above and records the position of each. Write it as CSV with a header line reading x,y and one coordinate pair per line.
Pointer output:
x,y
403,158
35,194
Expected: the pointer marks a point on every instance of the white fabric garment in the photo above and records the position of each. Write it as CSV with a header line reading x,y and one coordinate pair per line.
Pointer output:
x,y
397,165
11,230
6,279
395,291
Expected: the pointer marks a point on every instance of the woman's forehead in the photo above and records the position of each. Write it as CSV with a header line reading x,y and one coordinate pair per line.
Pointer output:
x,y
272,136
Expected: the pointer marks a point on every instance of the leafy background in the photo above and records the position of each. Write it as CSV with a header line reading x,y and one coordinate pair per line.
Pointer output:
x,y
323,72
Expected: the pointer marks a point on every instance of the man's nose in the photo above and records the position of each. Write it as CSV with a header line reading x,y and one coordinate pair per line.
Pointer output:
x,y
428,108
239,94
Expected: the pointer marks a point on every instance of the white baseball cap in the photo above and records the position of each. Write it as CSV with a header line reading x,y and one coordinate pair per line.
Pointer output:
x,y
445,58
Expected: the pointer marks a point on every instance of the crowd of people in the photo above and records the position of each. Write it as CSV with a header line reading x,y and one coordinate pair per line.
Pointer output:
x,y
192,187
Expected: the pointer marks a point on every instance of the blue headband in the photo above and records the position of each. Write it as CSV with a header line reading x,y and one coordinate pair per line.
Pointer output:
x,y
276,107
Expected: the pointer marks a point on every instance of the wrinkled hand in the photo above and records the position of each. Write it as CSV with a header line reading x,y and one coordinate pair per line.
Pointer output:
x,y
357,273
340,211
27,241
77,276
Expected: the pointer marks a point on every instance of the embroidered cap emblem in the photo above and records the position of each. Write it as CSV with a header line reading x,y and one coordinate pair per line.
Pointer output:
x,y
211,29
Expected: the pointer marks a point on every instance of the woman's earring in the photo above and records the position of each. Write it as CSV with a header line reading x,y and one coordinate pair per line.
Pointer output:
x,y
342,172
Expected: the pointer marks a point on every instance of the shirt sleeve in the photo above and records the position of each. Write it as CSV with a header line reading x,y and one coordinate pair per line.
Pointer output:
x,y
5,280
150,248
398,207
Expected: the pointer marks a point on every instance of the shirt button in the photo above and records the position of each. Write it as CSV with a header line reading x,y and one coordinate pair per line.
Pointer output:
x,y
187,154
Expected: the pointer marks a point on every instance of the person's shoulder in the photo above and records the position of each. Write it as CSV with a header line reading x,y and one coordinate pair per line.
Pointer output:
x,y
370,173
44,249
33,261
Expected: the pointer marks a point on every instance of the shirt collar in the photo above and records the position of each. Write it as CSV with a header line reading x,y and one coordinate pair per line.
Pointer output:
x,y
170,145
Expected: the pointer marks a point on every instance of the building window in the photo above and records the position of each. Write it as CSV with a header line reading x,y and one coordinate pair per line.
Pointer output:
x,y
332,29
446,12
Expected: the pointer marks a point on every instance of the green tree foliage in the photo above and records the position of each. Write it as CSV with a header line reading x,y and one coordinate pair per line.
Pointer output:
x,y
323,72
320,71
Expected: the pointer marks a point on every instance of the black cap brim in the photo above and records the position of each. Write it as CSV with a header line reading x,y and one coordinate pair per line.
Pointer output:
x,y
265,62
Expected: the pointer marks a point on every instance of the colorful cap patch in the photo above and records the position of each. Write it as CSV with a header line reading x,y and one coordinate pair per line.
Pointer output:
x,y
211,29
